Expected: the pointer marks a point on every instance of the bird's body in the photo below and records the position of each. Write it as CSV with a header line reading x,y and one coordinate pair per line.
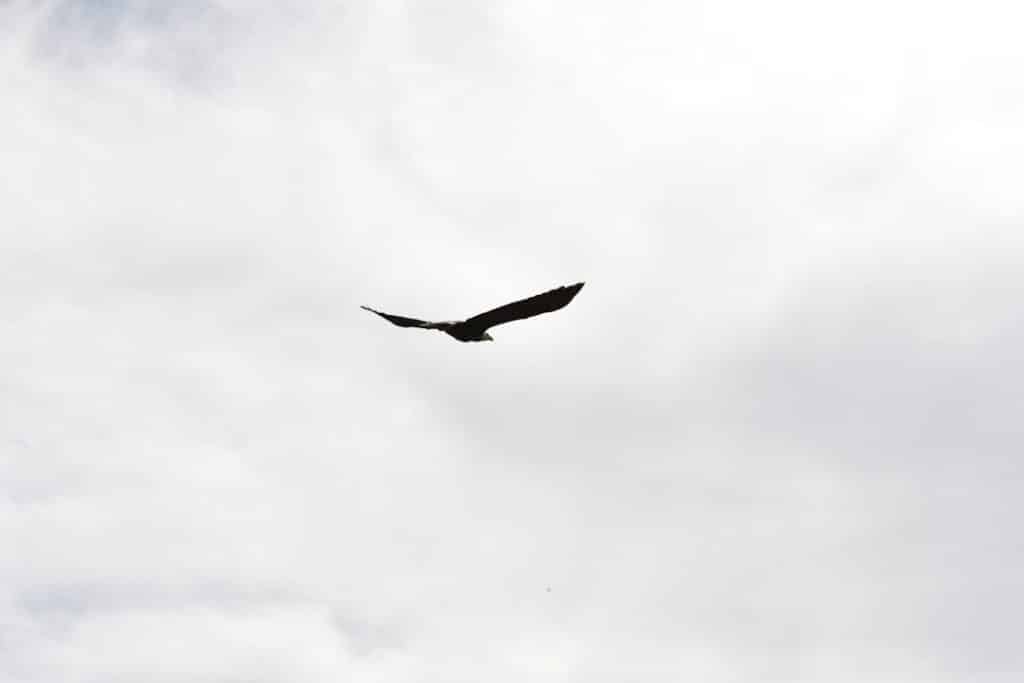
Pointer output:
x,y
475,328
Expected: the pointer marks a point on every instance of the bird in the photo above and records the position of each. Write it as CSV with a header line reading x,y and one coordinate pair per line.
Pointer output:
x,y
475,329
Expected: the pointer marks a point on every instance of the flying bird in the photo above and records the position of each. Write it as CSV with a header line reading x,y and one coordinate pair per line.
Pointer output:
x,y
475,328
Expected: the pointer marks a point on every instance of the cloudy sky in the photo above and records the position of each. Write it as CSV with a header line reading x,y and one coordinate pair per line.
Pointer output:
x,y
776,439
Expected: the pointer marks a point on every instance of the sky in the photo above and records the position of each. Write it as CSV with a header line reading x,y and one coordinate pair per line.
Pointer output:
x,y
775,439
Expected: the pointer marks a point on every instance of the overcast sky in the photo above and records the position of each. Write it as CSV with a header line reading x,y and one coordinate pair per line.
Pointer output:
x,y
777,437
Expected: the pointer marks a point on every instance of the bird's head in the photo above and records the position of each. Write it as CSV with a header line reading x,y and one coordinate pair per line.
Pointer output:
x,y
486,337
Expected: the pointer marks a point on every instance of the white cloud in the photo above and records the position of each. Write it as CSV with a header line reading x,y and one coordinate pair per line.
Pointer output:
x,y
774,439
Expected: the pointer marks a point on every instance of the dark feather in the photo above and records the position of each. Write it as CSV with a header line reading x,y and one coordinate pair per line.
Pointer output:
x,y
397,319
525,308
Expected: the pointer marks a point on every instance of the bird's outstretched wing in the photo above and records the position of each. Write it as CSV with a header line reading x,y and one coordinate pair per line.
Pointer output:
x,y
399,320
526,308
